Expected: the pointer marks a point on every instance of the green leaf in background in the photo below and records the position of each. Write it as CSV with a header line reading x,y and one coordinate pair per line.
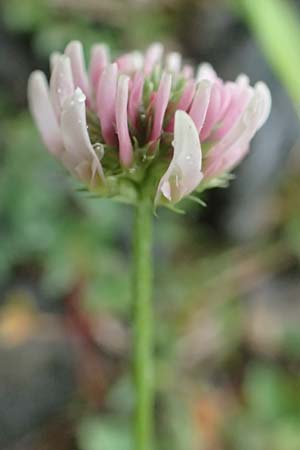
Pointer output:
x,y
26,15
267,392
276,25
99,433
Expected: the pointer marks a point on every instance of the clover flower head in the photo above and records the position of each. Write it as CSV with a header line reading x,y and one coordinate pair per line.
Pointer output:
x,y
144,118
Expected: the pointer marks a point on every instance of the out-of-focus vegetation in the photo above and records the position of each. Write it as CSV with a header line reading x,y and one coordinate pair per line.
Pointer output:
x,y
276,25
228,336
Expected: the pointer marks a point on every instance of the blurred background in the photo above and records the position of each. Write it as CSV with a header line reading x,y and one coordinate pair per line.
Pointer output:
x,y
227,279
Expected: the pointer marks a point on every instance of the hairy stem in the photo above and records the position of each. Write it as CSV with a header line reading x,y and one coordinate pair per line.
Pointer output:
x,y
143,324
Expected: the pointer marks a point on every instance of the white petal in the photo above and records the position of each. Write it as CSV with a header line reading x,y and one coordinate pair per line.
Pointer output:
x,y
80,153
265,94
206,72
243,80
43,113
61,82
152,57
98,61
54,57
184,172
173,62
74,51
137,59
200,103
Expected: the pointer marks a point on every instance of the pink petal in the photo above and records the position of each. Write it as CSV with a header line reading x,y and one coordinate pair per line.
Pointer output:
x,y
130,62
75,52
184,101
99,60
234,157
135,97
152,57
80,157
61,83
226,153
125,146
43,113
184,172
226,94
213,111
200,103
160,105
188,71
106,101
240,97
187,96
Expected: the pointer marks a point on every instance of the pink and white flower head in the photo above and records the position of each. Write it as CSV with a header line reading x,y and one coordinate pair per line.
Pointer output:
x,y
144,119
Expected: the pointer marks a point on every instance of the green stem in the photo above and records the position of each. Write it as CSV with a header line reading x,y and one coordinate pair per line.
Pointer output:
x,y
143,324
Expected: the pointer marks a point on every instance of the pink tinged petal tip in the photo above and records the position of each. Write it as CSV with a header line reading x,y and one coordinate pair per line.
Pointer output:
x,y
80,157
75,52
61,83
160,105
135,98
152,57
125,146
130,62
200,103
99,60
188,71
184,172
43,113
106,101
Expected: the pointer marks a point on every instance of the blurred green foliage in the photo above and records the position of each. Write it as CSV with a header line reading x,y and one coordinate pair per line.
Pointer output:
x,y
201,284
275,24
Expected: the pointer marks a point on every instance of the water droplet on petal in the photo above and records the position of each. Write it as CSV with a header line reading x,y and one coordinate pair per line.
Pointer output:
x,y
99,150
80,97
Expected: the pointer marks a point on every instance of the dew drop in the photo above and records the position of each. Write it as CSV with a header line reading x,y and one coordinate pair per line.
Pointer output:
x,y
80,97
99,150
